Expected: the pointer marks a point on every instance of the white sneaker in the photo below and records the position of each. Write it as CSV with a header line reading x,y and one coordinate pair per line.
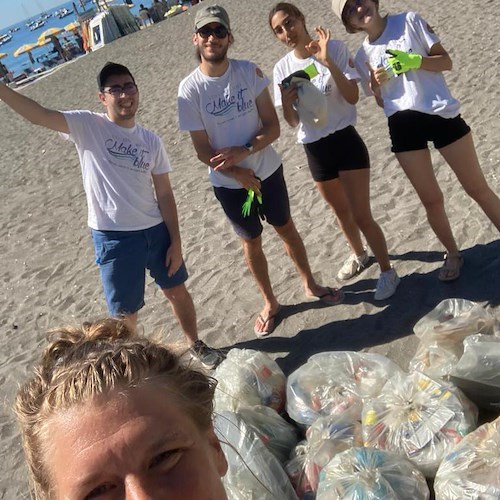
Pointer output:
x,y
387,283
353,266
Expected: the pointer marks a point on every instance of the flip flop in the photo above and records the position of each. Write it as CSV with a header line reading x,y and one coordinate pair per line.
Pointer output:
x,y
269,324
337,296
450,271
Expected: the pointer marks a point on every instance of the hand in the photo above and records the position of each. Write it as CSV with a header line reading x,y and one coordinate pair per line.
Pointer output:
x,y
401,62
246,179
173,259
319,48
377,78
228,157
289,95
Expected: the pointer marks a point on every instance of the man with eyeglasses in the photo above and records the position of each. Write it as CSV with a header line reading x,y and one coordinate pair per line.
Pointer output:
x,y
226,107
131,207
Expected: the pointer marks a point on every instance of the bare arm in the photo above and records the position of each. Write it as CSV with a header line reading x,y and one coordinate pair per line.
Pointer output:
x,y
269,132
244,176
32,111
319,49
288,97
168,209
437,60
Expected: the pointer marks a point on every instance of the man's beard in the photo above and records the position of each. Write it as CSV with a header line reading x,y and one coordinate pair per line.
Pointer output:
x,y
215,58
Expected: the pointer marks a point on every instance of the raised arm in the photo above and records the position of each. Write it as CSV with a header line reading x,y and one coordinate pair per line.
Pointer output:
x,y
168,209
32,111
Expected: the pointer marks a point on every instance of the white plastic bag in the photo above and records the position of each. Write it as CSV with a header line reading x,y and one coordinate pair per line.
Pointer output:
x,y
481,360
254,473
326,437
472,470
274,431
418,417
369,474
247,378
334,383
442,331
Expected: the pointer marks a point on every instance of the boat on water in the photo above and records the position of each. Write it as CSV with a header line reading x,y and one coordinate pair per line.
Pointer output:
x,y
5,38
62,13
37,24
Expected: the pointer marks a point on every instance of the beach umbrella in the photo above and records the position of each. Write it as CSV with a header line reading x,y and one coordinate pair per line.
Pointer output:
x,y
72,26
27,47
47,33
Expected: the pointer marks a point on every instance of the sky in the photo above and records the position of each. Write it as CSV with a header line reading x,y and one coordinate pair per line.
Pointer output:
x,y
13,11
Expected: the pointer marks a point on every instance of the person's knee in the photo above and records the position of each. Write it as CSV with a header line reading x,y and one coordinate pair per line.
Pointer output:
x,y
479,192
434,203
177,293
364,221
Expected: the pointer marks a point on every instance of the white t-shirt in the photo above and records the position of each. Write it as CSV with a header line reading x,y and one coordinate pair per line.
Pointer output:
x,y
341,114
417,90
117,164
225,107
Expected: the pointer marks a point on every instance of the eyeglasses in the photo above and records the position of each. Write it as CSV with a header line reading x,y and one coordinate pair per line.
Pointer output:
x,y
350,10
220,32
118,90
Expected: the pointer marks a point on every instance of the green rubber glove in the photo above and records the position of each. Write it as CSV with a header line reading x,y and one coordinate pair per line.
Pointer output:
x,y
246,208
401,62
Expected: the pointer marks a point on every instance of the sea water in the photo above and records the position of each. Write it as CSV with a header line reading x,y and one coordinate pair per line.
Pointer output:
x,y
18,65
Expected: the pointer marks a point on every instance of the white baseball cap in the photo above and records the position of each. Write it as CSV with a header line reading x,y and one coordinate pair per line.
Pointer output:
x,y
338,7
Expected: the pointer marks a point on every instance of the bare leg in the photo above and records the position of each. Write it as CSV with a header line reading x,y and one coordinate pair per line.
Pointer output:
x,y
297,252
462,158
356,185
334,194
183,309
257,263
418,168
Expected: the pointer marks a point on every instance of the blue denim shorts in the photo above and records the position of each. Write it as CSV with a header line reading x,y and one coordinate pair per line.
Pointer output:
x,y
124,256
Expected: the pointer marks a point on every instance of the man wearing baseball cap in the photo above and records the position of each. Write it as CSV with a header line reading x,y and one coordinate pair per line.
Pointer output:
x,y
134,227
226,107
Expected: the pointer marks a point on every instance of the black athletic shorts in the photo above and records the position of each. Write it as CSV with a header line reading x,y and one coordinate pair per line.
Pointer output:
x,y
342,150
412,130
275,206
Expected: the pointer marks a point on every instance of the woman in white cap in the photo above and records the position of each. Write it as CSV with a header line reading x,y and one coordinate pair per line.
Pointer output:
x,y
342,178
401,63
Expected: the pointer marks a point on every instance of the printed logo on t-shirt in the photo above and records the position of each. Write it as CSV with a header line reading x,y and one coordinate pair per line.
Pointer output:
x,y
228,103
128,155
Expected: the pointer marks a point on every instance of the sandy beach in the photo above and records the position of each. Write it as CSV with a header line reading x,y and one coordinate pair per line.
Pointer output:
x,y
49,276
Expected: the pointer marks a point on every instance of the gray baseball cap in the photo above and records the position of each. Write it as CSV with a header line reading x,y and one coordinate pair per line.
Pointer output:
x,y
211,14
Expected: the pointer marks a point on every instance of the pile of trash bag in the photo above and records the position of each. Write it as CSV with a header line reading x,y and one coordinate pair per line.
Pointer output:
x,y
442,332
472,469
367,473
247,378
418,417
335,383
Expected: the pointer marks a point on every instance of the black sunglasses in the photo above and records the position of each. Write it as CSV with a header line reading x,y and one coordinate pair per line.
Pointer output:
x,y
219,32
118,90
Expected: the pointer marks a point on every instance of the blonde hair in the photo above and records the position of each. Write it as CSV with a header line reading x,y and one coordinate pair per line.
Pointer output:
x,y
81,364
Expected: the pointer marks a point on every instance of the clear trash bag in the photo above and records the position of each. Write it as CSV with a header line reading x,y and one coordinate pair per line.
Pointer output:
x,y
481,360
335,383
472,470
442,331
370,474
419,418
248,378
254,473
326,437
279,436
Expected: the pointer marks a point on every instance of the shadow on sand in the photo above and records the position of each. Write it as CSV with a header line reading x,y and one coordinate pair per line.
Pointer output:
x,y
417,295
